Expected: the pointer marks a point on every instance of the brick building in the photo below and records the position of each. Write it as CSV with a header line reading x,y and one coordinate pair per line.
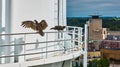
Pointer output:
x,y
111,44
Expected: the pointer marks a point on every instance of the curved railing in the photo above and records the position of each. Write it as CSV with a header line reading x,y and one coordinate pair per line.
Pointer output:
x,y
20,48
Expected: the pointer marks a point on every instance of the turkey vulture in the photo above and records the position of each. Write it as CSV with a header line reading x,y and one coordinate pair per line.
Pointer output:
x,y
58,28
36,26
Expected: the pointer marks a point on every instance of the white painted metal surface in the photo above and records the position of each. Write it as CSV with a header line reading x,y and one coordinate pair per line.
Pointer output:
x,y
86,45
23,49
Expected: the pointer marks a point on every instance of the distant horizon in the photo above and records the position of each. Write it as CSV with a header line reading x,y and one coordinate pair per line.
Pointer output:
x,y
90,16
84,8
93,14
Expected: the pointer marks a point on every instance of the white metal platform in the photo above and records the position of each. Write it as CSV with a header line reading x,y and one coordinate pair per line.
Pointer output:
x,y
24,53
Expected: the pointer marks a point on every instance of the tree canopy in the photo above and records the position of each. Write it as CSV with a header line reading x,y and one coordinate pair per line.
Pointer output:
x,y
108,22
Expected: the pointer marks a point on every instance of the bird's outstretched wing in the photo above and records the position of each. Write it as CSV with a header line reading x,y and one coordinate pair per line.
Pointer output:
x,y
43,24
29,24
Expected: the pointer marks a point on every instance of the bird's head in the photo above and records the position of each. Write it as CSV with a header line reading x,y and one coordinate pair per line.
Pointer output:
x,y
63,27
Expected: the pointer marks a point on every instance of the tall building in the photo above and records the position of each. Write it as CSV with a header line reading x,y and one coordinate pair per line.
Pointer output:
x,y
96,32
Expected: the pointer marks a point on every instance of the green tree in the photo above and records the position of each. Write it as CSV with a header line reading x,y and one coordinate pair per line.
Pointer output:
x,y
99,63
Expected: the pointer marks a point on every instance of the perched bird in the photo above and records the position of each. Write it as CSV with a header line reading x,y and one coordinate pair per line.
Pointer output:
x,y
58,28
36,26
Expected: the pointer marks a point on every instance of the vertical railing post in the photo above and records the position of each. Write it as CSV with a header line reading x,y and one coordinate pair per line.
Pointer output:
x,y
24,48
59,43
18,48
46,44
15,50
79,39
73,41
63,42
66,38
37,44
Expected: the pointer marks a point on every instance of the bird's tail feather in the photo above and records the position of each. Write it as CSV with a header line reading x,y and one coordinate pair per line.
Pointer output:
x,y
41,32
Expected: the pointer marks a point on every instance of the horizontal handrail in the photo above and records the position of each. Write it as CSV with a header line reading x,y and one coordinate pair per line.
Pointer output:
x,y
34,53
37,32
35,42
73,27
44,47
30,33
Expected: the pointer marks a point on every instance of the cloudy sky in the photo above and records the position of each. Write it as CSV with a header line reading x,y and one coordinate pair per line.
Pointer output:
x,y
83,8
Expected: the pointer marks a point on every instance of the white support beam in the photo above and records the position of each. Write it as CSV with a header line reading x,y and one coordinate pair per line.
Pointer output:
x,y
6,21
3,10
86,43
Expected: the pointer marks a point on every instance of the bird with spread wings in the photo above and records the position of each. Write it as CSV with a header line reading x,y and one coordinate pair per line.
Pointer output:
x,y
39,27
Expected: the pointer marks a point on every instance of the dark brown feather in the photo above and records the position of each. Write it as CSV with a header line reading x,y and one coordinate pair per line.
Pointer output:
x,y
29,24
58,28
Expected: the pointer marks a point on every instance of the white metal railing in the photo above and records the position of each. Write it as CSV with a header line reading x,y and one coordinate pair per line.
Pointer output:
x,y
43,47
